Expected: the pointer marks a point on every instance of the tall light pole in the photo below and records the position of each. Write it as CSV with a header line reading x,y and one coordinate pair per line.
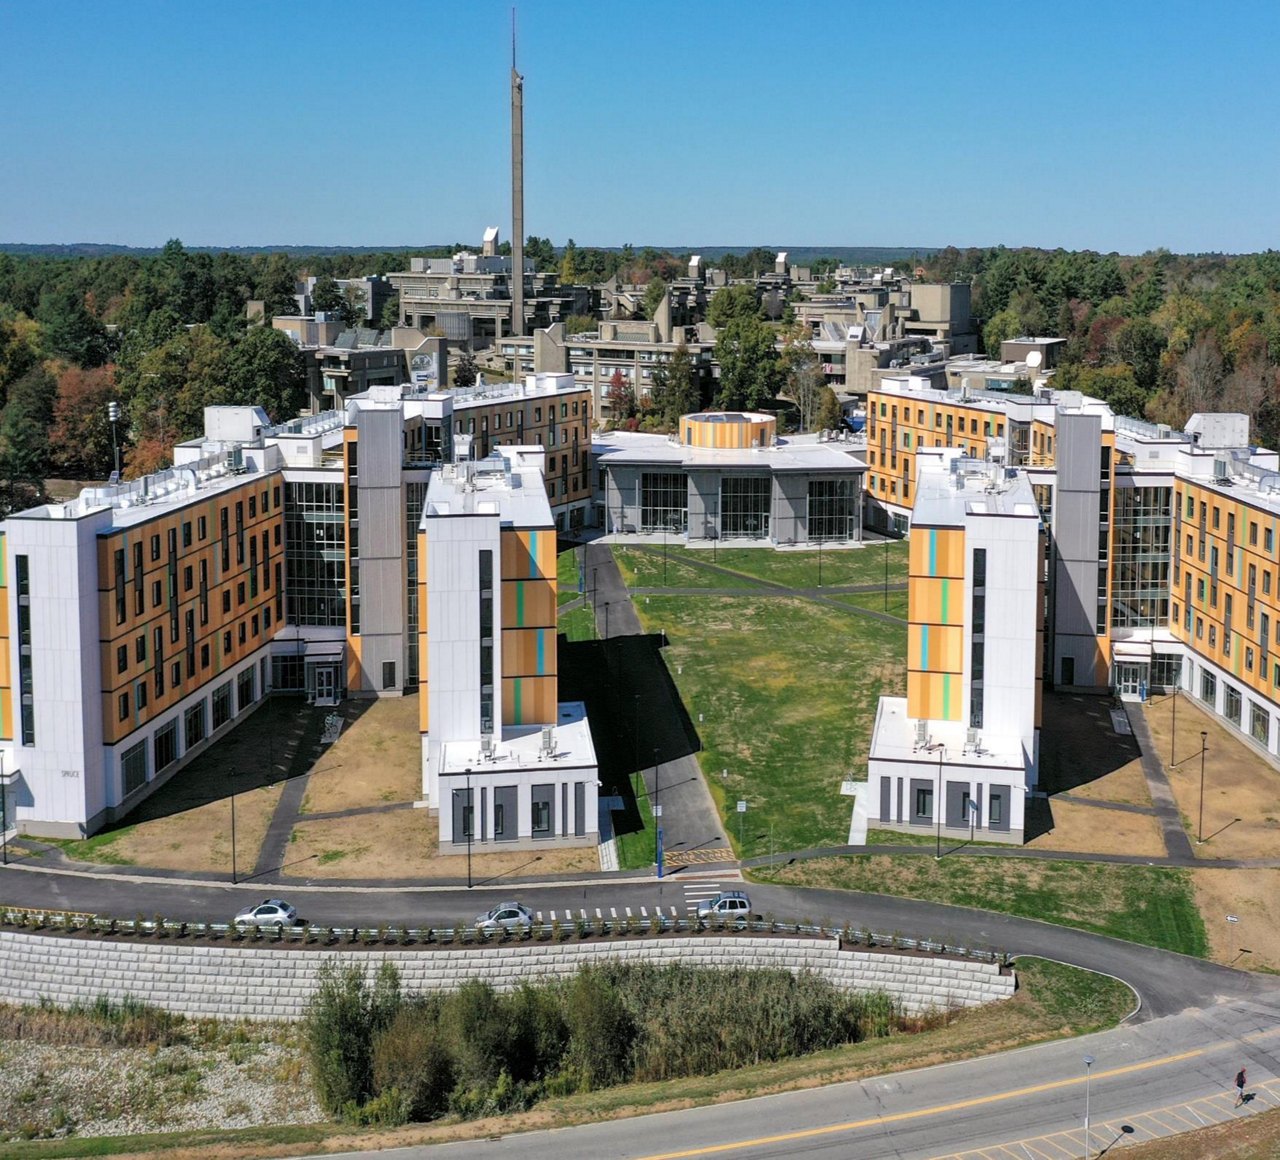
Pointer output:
x,y
4,816
937,809
886,564
1200,824
113,417
234,873
657,814
1088,1063
1173,731
469,817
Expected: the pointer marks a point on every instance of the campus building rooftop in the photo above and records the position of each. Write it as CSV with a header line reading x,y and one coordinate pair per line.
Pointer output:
x,y
526,749
792,453
508,484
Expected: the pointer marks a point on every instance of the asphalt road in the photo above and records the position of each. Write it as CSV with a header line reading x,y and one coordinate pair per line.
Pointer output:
x,y
1028,1104
1167,983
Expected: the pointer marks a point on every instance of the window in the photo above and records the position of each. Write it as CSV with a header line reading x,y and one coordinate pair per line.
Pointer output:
x,y
122,705
923,802
221,705
388,674
1231,704
156,593
1208,687
202,527
155,548
226,600
226,644
1268,539
122,658
995,810
133,768
188,579
1259,724
165,746
140,695
246,689
204,656
193,724
186,534
243,633
542,798
240,593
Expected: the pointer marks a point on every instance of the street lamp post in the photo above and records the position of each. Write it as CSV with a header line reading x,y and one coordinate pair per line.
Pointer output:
x,y
469,816
235,877
657,817
4,816
886,565
1173,732
1088,1063
1200,824
937,809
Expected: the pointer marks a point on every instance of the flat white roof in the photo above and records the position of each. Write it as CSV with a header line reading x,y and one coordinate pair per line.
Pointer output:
x,y
894,738
790,453
519,749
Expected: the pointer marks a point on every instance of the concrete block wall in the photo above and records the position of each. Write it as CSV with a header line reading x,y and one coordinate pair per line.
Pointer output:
x,y
237,981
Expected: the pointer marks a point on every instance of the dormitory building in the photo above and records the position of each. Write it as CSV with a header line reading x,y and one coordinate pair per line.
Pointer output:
x,y
404,545
1052,541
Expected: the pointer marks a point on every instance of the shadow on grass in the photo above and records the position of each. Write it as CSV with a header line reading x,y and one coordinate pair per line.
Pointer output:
x,y
636,715
279,741
1078,743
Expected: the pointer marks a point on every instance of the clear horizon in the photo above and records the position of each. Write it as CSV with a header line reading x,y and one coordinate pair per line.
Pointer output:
x,y
1107,127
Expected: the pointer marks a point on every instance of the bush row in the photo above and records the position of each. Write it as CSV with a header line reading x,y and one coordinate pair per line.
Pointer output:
x,y
378,1056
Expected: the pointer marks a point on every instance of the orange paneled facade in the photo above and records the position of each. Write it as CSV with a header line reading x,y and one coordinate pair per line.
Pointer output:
x,y
897,427
186,596
530,689
1225,591
935,633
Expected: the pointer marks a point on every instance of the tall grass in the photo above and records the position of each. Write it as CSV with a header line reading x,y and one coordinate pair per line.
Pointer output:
x,y
380,1058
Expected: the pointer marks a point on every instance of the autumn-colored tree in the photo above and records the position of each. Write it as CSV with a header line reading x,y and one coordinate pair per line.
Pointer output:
x,y
80,439
621,399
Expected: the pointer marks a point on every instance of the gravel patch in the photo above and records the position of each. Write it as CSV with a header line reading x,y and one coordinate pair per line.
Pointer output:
x,y
110,1091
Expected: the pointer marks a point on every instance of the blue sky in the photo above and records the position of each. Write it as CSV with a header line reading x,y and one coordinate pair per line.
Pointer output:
x,y
1122,125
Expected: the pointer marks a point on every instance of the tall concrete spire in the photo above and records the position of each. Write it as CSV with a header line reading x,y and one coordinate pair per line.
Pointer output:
x,y
517,189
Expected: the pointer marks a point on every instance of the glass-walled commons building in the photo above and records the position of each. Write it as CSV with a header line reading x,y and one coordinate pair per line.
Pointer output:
x,y
727,476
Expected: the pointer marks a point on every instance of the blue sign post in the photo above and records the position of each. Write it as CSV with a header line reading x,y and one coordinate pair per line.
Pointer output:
x,y
659,851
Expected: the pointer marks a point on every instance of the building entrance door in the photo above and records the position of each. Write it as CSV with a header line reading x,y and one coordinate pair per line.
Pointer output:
x,y
1131,678
325,685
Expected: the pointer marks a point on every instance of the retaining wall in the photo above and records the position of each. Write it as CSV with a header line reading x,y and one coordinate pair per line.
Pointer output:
x,y
259,983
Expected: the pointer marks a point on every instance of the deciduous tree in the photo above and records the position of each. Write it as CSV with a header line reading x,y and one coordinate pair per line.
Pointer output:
x,y
748,364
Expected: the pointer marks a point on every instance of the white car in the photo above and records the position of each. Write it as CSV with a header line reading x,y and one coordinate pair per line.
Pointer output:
x,y
731,904
270,912
506,916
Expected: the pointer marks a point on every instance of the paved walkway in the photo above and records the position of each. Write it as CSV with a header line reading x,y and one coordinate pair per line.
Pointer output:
x,y
692,830
1176,840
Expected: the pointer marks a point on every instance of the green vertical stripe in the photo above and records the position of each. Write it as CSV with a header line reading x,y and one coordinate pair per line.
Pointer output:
x,y
946,696
516,697
519,603
946,596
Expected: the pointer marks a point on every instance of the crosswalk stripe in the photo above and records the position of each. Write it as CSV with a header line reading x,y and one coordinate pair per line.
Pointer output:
x,y
628,912
613,912
644,912
598,914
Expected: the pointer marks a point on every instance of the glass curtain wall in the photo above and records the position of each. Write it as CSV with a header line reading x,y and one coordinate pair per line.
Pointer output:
x,y
1141,525
315,554
744,506
664,501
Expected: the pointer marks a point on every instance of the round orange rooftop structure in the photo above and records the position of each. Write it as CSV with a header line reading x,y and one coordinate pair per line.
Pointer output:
x,y
728,430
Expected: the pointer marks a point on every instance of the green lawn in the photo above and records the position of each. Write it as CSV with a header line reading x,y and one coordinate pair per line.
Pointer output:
x,y
644,569
96,848
895,604
739,567
577,624
1145,904
635,848
787,690
567,575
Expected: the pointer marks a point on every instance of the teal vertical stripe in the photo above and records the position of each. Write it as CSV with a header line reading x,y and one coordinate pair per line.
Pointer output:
x,y
933,553
924,646
533,554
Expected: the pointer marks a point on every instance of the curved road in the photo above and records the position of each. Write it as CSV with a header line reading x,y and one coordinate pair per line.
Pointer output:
x,y
1198,1022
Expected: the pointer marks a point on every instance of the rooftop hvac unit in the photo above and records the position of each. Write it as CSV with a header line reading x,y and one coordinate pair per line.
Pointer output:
x,y
1221,471
922,733
548,748
971,744
486,745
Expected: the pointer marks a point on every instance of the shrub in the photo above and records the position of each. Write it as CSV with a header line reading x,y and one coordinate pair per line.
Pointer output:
x,y
474,1025
411,1059
600,1028
342,1020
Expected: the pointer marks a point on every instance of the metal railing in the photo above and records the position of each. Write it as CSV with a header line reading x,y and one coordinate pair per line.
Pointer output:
x,y
462,933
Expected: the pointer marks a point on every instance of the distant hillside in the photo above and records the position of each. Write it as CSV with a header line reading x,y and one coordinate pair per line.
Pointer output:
x,y
799,255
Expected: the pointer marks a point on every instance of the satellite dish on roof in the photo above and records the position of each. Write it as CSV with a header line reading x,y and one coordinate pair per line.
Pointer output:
x,y
1034,359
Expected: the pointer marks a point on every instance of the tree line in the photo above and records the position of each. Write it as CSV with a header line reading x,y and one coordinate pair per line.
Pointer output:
x,y
1159,336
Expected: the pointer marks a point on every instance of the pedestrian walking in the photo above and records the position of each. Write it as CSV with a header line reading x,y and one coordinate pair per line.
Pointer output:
x,y
1240,1082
